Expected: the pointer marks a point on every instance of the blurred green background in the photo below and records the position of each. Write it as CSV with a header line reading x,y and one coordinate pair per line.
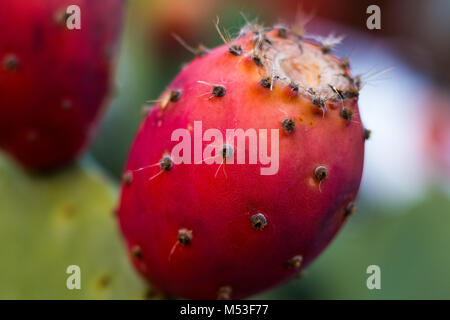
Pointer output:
x,y
403,221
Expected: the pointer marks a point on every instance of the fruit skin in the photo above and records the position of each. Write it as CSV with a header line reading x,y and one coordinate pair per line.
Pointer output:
x,y
52,96
221,254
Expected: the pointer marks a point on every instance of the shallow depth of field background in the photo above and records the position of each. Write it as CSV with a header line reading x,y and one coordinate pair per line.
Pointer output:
x,y
403,218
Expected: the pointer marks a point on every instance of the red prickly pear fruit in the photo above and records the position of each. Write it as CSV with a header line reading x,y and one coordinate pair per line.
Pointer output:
x,y
225,230
54,80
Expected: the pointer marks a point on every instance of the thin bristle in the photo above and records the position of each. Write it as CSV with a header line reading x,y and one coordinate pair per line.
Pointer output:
x,y
216,25
300,22
183,43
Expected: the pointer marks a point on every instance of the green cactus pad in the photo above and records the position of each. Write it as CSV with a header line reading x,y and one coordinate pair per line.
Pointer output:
x,y
49,222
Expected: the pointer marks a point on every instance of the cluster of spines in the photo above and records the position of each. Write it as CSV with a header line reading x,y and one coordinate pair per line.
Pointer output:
x,y
260,40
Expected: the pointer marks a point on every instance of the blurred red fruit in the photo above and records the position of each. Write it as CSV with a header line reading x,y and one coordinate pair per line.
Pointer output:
x,y
54,81
437,138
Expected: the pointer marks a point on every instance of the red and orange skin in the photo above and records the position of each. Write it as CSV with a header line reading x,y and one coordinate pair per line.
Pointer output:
x,y
226,256
54,92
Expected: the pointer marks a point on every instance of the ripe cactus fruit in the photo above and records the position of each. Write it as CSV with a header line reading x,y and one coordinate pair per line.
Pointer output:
x,y
224,230
54,81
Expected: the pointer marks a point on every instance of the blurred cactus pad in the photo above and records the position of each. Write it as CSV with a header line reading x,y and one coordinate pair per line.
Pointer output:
x,y
48,222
